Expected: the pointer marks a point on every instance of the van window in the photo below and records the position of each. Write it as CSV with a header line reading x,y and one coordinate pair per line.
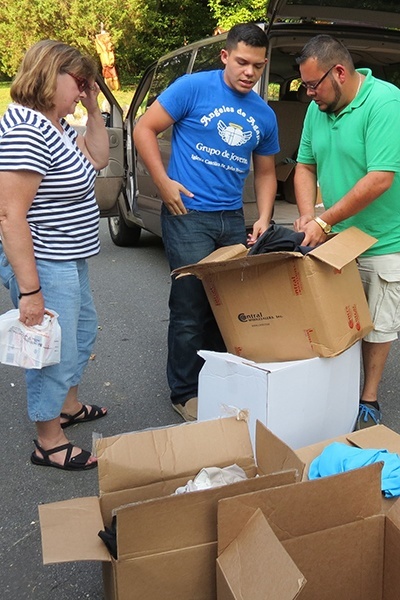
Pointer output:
x,y
167,72
208,57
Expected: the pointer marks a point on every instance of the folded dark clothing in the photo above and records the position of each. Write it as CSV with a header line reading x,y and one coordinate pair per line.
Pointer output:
x,y
278,239
109,537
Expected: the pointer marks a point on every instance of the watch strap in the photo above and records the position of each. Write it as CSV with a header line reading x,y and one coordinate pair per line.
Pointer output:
x,y
326,228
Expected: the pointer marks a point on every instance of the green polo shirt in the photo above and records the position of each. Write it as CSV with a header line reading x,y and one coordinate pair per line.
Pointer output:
x,y
364,137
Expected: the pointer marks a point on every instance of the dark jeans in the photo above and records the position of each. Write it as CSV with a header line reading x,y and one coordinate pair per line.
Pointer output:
x,y
192,327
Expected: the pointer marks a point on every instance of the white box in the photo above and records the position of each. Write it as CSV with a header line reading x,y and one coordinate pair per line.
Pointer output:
x,y
302,402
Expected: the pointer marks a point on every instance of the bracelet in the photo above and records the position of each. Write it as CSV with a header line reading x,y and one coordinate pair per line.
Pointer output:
x,y
29,293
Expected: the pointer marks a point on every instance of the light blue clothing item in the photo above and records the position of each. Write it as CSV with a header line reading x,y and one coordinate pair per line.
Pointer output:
x,y
216,131
338,458
66,290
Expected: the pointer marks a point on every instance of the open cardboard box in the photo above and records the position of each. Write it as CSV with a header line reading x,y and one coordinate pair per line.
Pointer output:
x,y
332,529
286,305
167,544
300,401
279,455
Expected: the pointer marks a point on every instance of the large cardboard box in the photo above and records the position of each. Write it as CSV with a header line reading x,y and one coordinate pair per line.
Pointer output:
x,y
334,531
302,401
166,543
286,305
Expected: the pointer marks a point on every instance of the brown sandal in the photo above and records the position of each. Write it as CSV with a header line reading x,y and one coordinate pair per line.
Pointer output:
x,y
76,463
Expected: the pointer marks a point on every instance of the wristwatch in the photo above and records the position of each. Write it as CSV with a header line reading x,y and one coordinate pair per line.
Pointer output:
x,y
326,228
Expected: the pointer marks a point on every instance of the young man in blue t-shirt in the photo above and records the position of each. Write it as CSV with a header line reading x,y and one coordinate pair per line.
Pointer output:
x,y
220,125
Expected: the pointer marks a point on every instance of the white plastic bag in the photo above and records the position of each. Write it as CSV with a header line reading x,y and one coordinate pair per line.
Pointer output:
x,y
30,347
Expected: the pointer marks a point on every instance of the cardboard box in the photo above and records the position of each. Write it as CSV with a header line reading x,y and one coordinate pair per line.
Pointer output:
x,y
285,175
167,544
280,457
286,305
333,529
302,401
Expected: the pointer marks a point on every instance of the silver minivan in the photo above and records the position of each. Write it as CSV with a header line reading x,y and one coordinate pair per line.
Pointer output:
x,y
125,191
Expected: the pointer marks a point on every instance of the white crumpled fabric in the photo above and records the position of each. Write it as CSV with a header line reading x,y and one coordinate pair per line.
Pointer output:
x,y
213,477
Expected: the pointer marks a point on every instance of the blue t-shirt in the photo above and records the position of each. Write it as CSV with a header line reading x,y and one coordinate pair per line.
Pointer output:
x,y
216,131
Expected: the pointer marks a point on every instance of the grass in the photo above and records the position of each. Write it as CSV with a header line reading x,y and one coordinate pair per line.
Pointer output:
x,y
123,97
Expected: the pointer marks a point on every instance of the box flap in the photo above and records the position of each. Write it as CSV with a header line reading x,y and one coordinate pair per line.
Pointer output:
x,y
136,459
219,256
181,520
273,454
70,530
225,253
329,501
256,566
343,247
241,260
283,170
393,513
377,437
266,367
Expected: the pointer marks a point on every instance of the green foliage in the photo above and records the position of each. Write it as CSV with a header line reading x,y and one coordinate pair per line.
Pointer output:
x,y
4,96
229,13
161,26
141,30
24,22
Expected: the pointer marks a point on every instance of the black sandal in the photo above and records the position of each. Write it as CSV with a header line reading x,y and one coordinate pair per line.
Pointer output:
x,y
77,463
95,412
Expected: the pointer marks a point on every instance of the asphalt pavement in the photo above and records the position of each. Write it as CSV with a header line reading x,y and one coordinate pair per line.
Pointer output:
x,y
127,374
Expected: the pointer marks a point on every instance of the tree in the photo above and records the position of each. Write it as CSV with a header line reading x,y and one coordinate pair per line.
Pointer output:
x,y
70,21
228,13
141,30
161,26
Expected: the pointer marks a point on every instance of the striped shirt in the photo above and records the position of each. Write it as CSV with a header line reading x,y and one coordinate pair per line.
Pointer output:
x,y
64,216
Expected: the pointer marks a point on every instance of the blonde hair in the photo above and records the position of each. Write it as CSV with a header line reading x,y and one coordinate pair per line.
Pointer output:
x,y
35,83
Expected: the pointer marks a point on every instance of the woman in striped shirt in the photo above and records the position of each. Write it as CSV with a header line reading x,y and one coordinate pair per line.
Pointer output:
x,y
49,227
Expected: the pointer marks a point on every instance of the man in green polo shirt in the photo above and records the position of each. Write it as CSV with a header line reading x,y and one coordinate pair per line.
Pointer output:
x,y
351,145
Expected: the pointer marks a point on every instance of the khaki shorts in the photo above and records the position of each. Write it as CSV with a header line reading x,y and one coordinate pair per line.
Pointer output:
x,y
380,276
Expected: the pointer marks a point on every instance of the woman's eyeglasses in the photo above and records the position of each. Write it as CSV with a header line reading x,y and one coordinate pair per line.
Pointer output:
x,y
313,86
82,83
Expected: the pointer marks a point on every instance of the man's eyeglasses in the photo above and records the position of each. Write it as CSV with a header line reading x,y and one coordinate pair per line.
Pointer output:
x,y
313,86
82,83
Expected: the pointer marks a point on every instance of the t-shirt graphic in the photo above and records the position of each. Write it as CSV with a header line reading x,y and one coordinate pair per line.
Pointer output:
x,y
233,134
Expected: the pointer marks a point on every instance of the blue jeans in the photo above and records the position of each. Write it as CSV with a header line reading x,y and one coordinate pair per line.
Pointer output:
x,y
66,290
187,239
